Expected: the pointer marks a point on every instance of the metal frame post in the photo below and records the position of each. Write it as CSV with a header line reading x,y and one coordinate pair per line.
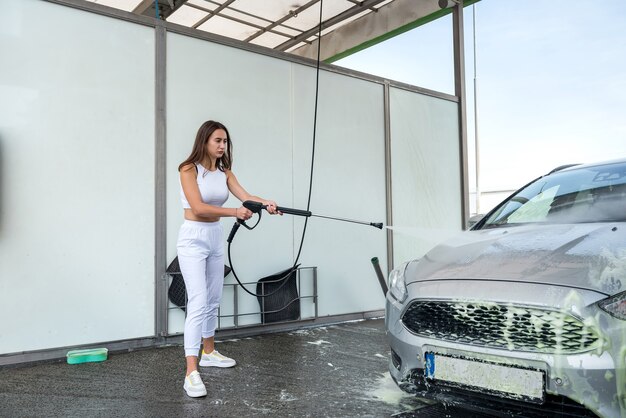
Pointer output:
x,y
388,184
459,90
160,218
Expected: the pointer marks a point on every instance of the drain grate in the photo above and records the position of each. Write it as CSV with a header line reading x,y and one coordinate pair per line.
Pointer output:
x,y
440,411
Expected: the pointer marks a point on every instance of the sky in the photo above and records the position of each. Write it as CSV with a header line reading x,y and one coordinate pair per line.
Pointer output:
x,y
550,80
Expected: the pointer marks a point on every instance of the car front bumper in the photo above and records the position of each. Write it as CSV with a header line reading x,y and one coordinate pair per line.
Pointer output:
x,y
594,378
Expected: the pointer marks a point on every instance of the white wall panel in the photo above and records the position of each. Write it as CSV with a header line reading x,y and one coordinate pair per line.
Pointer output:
x,y
76,177
348,182
270,117
426,173
250,94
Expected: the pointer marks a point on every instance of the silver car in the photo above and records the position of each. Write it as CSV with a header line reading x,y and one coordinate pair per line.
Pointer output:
x,y
525,314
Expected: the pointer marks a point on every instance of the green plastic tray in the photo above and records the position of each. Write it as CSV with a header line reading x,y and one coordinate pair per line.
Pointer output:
x,y
87,356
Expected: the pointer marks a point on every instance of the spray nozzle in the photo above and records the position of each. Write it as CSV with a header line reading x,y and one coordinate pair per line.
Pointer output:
x,y
378,225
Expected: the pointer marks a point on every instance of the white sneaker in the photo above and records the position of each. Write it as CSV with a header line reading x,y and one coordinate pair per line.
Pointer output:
x,y
215,359
194,386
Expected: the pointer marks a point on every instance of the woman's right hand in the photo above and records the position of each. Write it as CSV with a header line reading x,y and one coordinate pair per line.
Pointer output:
x,y
243,213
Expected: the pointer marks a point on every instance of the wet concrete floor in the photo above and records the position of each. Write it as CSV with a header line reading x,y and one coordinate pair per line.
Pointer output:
x,y
331,371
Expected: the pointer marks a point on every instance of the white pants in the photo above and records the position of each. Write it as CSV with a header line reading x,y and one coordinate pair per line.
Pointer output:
x,y
201,258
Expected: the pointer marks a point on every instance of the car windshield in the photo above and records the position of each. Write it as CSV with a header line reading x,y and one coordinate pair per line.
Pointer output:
x,y
586,194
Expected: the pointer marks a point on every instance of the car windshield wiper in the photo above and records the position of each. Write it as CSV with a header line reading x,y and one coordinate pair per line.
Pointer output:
x,y
505,224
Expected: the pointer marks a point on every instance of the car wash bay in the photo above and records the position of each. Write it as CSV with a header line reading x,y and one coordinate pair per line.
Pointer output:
x,y
86,104
330,371
123,101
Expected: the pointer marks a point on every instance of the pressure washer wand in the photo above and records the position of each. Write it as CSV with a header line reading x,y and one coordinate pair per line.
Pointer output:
x,y
256,207
378,225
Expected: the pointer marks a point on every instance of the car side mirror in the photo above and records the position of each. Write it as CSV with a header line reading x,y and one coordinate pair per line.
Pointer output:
x,y
473,220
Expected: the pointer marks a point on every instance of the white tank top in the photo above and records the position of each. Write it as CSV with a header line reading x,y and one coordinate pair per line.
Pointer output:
x,y
212,186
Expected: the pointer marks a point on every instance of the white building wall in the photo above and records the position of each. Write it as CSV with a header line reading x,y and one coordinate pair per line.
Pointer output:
x,y
77,177
77,167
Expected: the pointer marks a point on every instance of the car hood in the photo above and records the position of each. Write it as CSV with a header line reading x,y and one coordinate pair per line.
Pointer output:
x,y
587,256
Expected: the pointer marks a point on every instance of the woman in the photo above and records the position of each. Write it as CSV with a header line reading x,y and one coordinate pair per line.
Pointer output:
x,y
206,179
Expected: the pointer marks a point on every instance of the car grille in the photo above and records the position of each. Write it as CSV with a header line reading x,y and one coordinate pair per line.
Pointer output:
x,y
500,326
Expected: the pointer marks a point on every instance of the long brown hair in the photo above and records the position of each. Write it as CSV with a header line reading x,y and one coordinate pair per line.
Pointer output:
x,y
199,152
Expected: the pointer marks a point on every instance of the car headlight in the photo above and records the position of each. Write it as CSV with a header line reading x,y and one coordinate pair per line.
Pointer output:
x,y
397,285
615,305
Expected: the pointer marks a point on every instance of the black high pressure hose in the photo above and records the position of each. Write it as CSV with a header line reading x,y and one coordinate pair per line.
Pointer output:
x,y
308,204
257,207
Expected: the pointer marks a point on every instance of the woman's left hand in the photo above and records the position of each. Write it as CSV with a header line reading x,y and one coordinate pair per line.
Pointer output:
x,y
271,207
